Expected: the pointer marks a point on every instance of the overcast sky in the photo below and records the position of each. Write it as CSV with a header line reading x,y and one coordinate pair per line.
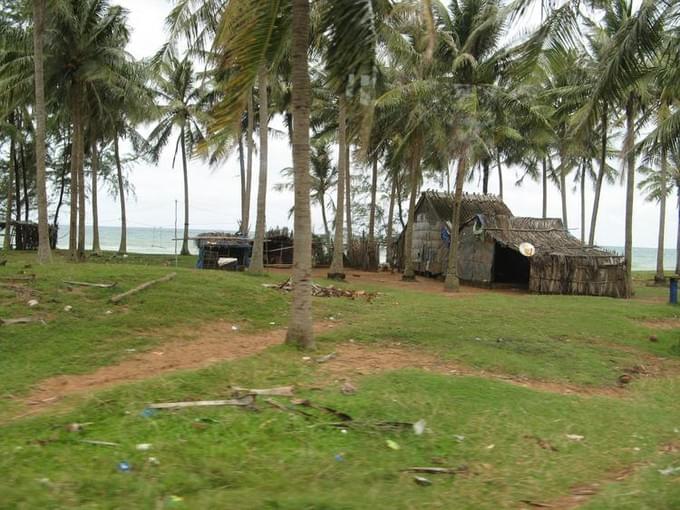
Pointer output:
x,y
215,192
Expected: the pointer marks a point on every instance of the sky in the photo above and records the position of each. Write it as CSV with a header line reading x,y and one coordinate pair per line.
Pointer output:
x,y
215,192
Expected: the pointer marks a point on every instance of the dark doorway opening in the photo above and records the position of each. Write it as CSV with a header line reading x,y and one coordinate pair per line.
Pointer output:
x,y
510,267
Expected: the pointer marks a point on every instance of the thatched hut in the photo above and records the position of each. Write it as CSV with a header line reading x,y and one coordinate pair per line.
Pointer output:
x,y
489,249
220,250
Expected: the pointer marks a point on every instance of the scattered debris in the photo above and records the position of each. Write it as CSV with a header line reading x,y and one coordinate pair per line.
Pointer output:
x,y
98,443
423,482
234,328
320,291
307,403
18,278
68,308
670,471
434,470
120,297
393,445
542,443
33,303
575,437
283,391
245,401
148,413
653,338
491,447
339,457
348,388
459,438
536,504
77,427
327,357
419,427
154,461
625,379
96,285
142,447
124,466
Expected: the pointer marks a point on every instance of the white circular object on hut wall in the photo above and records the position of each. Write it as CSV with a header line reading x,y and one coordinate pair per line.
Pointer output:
x,y
527,249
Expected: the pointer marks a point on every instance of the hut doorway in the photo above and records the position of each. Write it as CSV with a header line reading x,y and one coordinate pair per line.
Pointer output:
x,y
510,267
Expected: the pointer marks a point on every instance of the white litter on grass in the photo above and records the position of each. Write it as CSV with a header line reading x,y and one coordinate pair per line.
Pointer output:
x,y
669,471
234,328
491,447
575,437
68,308
419,427
458,438
142,447
272,323
33,303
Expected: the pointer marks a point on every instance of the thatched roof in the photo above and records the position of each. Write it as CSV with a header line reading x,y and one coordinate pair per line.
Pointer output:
x,y
548,236
471,205
222,239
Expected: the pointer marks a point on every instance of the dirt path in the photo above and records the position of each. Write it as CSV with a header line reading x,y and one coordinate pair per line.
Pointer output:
x,y
204,346
356,360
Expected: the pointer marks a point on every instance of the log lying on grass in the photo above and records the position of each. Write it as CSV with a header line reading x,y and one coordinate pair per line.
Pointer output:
x,y
283,391
246,401
22,320
18,278
120,297
96,285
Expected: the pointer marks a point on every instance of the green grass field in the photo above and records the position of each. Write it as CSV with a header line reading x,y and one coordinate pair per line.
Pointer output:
x,y
512,446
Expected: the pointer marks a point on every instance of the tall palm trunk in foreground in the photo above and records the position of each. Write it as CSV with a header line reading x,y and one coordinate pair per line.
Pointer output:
x,y
10,196
348,197
544,179
390,223
660,276
563,195
44,252
122,249
337,270
81,204
583,203
600,177
452,282
372,248
629,158
300,329
409,271
76,157
500,174
677,244
185,171
96,248
248,181
257,261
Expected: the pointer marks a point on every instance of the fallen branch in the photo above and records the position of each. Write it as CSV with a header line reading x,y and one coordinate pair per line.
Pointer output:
x,y
432,470
98,443
283,391
97,285
246,401
22,320
120,297
18,278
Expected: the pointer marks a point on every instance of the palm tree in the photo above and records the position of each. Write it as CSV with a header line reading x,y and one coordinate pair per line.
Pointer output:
x,y
44,252
257,261
174,86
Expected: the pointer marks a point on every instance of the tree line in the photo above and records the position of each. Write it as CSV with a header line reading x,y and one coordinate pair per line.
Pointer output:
x,y
403,90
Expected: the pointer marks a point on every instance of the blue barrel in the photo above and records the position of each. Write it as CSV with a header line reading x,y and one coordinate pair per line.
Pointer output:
x,y
674,291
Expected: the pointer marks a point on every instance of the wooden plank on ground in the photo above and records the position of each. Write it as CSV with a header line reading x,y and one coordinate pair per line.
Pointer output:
x,y
120,297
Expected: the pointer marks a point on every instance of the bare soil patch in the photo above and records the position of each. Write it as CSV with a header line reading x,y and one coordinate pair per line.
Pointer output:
x,y
662,324
355,360
194,349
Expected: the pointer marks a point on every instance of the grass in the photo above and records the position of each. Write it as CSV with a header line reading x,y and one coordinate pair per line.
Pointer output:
x,y
232,458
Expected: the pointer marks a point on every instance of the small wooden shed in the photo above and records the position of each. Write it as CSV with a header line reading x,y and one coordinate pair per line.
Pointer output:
x,y
489,241
24,235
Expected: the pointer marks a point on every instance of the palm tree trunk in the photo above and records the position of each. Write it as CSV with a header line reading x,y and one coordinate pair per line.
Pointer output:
x,y
563,195
122,249
348,201
24,181
677,243
390,224
409,271
322,200
257,261
76,155
452,282
544,178
245,227
660,276
485,176
583,203
372,248
244,195
9,205
62,188
185,169
96,248
44,252
600,177
18,241
337,270
399,204
500,174
629,155
81,204
300,330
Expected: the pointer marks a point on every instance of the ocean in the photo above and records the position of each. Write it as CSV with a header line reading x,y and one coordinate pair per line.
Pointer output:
x,y
161,241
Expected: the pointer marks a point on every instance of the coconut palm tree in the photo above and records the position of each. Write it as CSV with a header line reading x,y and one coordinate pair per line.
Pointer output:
x,y
44,252
180,112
